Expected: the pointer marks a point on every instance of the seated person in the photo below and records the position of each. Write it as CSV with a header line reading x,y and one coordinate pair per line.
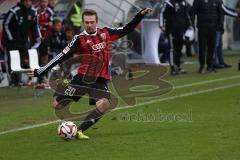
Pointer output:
x,y
57,40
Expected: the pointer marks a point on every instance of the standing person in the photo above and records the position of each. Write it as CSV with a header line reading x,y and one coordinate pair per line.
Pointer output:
x,y
74,18
209,19
175,20
19,26
218,59
91,43
45,18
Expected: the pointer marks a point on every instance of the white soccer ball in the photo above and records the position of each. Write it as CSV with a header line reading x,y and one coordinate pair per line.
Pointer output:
x,y
67,130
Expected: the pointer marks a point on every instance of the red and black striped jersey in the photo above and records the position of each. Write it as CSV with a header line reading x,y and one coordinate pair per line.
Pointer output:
x,y
45,16
95,50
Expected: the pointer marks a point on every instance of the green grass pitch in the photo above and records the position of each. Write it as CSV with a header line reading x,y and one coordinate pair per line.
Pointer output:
x,y
198,120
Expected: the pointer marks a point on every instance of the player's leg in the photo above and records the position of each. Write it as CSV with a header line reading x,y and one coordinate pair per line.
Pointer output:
x,y
171,55
102,106
101,94
211,46
178,44
202,38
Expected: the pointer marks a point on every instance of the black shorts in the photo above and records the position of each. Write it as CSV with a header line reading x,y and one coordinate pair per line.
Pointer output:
x,y
96,91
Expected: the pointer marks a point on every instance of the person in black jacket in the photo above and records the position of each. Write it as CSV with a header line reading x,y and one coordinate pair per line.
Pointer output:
x,y
57,39
209,20
218,59
19,26
175,20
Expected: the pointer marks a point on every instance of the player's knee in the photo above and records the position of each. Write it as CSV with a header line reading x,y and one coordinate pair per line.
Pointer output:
x,y
55,104
103,102
103,105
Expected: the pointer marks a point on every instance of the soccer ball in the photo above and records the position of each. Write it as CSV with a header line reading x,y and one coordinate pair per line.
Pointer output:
x,y
67,130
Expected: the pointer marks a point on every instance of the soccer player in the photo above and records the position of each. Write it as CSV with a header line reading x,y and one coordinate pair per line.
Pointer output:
x,y
92,41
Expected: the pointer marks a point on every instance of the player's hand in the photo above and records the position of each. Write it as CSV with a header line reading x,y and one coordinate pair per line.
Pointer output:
x,y
33,73
146,11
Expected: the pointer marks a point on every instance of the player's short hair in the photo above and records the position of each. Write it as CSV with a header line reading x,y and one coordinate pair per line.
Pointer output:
x,y
89,12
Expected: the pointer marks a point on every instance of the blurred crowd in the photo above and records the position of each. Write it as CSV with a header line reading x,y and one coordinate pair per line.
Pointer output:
x,y
33,25
179,20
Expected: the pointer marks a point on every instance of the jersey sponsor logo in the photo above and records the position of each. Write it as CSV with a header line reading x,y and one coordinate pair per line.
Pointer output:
x,y
103,36
66,50
99,46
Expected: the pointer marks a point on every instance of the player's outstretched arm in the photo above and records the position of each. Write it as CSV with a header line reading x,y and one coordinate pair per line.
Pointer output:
x,y
117,33
64,55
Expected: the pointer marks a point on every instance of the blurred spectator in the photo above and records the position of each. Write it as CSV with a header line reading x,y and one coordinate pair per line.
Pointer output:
x,y
163,48
218,59
2,66
74,17
45,18
175,20
19,26
189,45
209,19
69,31
57,39
52,4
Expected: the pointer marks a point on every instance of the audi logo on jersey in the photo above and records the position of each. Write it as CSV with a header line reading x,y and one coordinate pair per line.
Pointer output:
x,y
99,46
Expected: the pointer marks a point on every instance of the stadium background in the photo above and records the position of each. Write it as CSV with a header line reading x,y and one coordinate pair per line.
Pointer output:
x,y
231,37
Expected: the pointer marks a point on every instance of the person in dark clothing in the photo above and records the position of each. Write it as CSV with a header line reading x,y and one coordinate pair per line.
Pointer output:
x,y
163,48
209,20
92,45
73,18
57,39
69,32
175,20
45,18
218,59
19,26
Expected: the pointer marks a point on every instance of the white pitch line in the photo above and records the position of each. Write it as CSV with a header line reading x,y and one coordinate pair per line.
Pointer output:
x,y
207,82
29,127
127,107
180,96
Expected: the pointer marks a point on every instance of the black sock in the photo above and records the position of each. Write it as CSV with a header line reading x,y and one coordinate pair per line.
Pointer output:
x,y
91,119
